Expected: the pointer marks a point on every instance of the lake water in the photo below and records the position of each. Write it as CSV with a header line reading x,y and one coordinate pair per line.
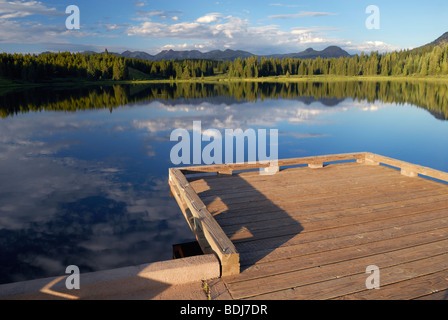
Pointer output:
x,y
83,172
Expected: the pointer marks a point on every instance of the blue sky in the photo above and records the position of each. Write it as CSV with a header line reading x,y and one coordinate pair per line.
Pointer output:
x,y
261,27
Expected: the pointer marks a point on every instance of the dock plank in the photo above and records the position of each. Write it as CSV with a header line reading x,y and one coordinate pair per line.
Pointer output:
x,y
274,267
308,215
318,232
255,207
310,195
335,288
270,250
293,177
309,232
293,279
440,295
411,289
300,188
329,220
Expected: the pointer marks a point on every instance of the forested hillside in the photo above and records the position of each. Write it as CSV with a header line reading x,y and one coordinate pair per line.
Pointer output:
x,y
105,66
50,66
402,63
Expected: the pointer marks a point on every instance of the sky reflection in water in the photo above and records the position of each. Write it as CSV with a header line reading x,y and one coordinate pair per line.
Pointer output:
x,y
90,187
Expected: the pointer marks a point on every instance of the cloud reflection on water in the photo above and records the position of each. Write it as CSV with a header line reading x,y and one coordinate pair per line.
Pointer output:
x,y
90,188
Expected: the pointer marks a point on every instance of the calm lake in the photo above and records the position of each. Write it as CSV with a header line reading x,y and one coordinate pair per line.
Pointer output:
x,y
83,172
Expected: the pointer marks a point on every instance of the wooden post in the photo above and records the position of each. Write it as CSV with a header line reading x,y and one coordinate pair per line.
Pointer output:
x,y
315,165
409,173
270,170
226,171
371,162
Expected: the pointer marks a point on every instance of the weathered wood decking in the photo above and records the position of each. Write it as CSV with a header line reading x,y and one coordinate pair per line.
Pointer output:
x,y
310,232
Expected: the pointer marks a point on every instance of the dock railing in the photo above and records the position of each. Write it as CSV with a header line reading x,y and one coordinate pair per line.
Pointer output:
x,y
407,169
210,235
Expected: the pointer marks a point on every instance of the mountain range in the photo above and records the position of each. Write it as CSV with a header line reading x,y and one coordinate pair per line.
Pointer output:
x,y
230,55
440,41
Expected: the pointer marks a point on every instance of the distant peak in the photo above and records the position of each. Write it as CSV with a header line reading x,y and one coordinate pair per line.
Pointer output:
x,y
443,37
333,47
442,40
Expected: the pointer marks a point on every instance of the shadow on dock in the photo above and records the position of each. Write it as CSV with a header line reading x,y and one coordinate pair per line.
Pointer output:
x,y
254,223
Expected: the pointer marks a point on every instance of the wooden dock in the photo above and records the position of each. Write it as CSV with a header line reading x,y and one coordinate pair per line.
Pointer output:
x,y
311,230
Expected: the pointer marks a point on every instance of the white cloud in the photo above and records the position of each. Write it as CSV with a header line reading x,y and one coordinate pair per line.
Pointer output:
x,y
113,27
230,32
140,3
284,5
14,30
216,31
301,14
172,14
155,13
209,18
369,46
18,9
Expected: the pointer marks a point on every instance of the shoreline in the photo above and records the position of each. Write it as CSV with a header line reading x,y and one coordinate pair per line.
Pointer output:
x,y
10,84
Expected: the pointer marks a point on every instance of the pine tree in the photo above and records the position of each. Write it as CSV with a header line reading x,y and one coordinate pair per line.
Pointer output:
x,y
424,66
186,74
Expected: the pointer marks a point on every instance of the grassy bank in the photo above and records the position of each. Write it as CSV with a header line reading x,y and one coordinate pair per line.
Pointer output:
x,y
285,79
326,78
11,85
